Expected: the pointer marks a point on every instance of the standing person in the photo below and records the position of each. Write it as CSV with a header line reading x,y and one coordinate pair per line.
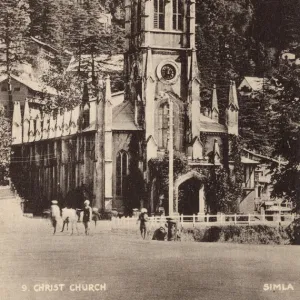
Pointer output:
x,y
96,215
55,214
87,216
143,218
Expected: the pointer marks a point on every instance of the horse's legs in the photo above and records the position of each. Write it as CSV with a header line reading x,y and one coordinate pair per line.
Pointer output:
x,y
64,222
76,227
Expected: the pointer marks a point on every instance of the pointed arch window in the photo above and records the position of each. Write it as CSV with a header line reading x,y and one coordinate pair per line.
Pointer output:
x,y
122,171
162,117
86,116
159,14
177,14
163,125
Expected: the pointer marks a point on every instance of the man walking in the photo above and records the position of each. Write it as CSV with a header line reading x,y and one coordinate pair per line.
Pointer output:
x,y
143,218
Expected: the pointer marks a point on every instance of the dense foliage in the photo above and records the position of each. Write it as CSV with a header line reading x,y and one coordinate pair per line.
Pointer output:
x,y
285,122
223,188
5,141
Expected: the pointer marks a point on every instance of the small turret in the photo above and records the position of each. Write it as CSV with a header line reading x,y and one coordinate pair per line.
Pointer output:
x,y
232,111
214,106
17,124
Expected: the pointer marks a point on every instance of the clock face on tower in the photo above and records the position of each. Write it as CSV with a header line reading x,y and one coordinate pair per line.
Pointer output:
x,y
168,72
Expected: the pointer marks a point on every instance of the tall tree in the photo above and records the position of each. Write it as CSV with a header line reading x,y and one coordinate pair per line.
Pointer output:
x,y
14,20
285,120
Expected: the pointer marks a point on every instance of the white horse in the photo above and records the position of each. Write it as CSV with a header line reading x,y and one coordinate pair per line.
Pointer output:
x,y
69,216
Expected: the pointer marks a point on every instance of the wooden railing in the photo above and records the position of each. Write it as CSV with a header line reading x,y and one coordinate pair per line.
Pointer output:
x,y
205,220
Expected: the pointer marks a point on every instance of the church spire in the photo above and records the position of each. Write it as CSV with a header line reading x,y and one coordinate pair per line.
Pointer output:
x,y
232,111
214,105
233,101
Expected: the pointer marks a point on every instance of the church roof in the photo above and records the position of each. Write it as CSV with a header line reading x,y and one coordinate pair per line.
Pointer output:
x,y
209,125
248,161
123,117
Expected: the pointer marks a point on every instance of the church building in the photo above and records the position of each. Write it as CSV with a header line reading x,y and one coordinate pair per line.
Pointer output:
x,y
102,142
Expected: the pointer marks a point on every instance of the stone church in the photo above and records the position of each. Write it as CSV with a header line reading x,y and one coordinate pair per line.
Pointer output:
x,y
104,140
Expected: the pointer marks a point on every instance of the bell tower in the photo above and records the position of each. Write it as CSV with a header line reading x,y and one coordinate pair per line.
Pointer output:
x,y
161,66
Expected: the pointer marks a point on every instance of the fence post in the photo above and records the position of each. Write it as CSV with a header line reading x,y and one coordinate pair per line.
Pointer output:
x,y
234,219
207,218
181,219
193,220
249,217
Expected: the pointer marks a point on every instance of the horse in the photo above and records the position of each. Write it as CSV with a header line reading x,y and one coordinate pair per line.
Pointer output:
x,y
69,216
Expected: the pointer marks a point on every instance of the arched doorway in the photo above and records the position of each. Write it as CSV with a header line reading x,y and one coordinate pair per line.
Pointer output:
x,y
189,194
188,197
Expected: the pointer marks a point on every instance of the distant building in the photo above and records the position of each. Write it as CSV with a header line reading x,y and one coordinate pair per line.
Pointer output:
x,y
258,185
45,57
22,88
250,85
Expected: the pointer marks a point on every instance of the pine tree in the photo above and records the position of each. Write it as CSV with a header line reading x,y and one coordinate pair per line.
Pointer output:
x,y
285,120
14,20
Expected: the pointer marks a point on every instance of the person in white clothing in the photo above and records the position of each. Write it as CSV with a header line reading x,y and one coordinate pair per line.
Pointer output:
x,y
55,214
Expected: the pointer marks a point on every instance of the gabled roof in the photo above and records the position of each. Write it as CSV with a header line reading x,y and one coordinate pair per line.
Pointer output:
x,y
263,157
248,161
123,117
103,62
255,83
209,125
33,85
49,46
44,44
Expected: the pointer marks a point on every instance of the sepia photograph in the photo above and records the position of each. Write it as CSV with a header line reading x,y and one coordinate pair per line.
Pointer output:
x,y
149,149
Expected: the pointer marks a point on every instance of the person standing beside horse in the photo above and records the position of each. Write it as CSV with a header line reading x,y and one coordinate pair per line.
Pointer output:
x,y
55,214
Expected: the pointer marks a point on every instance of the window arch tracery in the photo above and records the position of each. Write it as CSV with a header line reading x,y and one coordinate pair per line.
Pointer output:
x,y
121,171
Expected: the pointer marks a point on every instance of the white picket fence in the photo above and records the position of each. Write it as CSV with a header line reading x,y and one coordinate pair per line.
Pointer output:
x,y
205,220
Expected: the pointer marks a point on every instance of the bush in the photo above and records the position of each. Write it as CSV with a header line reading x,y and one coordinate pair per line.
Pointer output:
x,y
293,232
253,234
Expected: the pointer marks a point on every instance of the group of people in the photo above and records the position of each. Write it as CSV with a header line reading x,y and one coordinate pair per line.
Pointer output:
x,y
69,215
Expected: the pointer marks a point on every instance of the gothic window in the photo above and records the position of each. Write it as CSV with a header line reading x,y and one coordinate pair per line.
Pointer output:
x,y
34,127
90,146
86,116
163,125
159,14
139,19
177,15
122,171
134,19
